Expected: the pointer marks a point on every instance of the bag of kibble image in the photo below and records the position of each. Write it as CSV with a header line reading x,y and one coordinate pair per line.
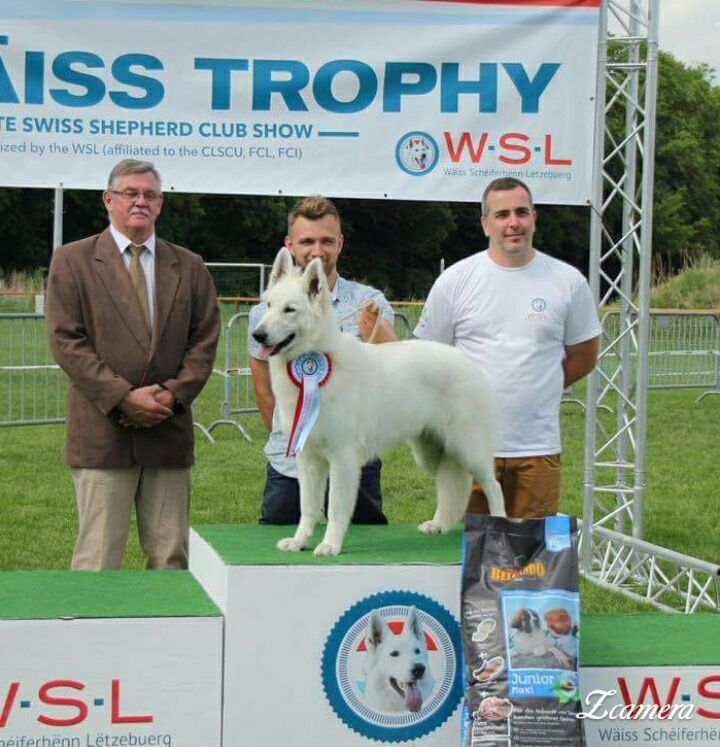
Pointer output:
x,y
520,612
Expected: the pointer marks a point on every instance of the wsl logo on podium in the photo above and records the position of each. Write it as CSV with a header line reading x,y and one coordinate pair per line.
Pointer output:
x,y
417,153
391,666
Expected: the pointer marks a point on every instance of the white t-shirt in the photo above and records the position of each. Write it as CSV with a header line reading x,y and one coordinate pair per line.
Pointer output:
x,y
514,323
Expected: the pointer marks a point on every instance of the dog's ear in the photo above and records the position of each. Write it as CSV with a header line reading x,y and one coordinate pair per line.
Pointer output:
x,y
283,264
314,278
413,624
517,618
376,631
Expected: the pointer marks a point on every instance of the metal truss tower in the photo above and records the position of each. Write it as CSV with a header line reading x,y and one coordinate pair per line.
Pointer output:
x,y
613,551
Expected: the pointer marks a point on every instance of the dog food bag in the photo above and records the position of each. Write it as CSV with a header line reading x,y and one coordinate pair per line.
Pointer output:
x,y
520,629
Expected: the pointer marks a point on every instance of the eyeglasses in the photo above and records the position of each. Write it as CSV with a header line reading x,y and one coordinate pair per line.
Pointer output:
x,y
132,194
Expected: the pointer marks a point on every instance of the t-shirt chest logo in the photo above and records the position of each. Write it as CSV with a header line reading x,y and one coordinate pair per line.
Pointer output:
x,y
538,309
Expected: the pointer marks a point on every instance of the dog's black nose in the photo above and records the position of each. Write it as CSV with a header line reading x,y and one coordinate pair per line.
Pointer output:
x,y
260,336
418,671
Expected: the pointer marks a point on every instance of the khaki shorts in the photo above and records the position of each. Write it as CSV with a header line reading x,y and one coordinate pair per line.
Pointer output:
x,y
531,486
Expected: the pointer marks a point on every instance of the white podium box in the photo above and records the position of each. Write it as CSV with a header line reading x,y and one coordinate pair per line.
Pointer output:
x,y
297,671
101,659
297,667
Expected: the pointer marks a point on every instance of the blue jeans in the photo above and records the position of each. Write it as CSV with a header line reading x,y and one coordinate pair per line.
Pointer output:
x,y
281,498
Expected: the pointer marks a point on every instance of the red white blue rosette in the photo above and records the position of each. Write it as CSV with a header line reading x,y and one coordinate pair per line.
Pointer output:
x,y
309,372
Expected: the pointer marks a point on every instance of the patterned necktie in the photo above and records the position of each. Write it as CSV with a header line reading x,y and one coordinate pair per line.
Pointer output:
x,y
137,275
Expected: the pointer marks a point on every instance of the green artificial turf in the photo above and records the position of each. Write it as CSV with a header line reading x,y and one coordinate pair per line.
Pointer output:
x,y
74,594
248,544
650,640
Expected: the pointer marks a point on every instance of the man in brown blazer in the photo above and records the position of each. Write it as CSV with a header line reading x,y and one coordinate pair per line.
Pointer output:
x,y
133,321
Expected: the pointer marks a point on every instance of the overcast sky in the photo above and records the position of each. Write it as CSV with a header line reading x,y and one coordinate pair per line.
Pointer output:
x,y
690,29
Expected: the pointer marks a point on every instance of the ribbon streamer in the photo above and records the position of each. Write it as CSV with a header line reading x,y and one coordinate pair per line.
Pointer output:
x,y
309,372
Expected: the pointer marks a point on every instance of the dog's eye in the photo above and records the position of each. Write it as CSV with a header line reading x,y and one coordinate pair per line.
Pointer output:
x,y
289,309
417,650
394,653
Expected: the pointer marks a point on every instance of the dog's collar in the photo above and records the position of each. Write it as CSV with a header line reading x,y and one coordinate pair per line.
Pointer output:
x,y
313,364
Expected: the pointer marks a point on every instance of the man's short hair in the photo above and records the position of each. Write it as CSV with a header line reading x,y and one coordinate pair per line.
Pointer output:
x,y
313,207
503,184
131,166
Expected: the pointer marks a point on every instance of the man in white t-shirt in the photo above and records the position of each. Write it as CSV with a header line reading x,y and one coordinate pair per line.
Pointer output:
x,y
530,324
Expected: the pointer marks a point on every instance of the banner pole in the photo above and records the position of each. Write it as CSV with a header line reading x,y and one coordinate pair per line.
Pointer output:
x,y
58,218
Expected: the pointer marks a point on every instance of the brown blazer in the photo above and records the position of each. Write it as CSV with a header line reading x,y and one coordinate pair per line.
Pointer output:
x,y
93,315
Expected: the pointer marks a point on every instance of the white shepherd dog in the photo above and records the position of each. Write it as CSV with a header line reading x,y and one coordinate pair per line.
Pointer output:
x,y
375,397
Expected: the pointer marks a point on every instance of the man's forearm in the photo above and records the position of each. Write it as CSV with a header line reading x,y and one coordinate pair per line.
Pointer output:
x,y
266,405
580,360
264,396
574,370
385,333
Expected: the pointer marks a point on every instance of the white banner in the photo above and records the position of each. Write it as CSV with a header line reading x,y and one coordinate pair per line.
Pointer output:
x,y
405,99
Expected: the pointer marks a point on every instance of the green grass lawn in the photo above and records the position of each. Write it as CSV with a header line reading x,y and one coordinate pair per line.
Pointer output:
x,y
38,512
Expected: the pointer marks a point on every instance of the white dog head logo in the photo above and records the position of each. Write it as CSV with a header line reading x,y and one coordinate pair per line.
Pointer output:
x,y
397,673
416,153
295,319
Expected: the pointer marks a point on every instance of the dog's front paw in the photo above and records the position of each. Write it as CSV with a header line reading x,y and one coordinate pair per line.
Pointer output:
x,y
430,527
290,544
325,550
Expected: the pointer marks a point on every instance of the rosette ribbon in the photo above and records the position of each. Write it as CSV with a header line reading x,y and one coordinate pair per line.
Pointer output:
x,y
308,372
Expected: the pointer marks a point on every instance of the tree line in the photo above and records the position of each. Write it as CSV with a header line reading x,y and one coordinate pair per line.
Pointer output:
x,y
398,245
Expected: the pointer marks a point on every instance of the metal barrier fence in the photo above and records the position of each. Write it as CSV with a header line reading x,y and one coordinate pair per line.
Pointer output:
x,y
684,353
570,397
32,386
410,312
21,302
239,278
684,349
237,390
402,327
